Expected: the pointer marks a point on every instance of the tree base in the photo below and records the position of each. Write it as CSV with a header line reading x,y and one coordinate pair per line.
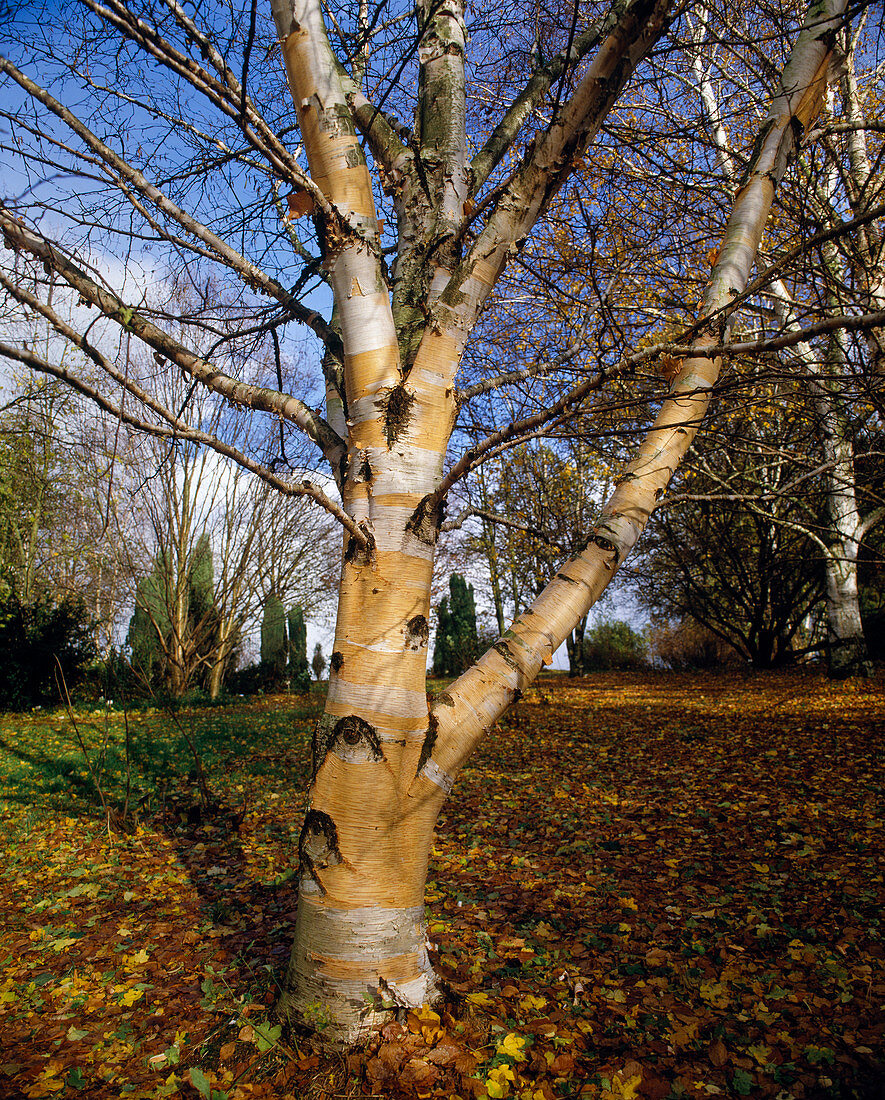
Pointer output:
x,y
350,969
847,659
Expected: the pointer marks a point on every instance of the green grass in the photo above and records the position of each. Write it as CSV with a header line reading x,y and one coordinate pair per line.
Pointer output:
x,y
44,769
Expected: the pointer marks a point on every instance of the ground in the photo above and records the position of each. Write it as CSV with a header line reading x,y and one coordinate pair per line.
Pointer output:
x,y
646,885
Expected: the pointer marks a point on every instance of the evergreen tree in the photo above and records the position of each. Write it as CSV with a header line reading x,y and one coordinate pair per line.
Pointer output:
x,y
150,628
318,662
203,617
442,650
149,625
299,670
274,642
463,607
456,639
201,581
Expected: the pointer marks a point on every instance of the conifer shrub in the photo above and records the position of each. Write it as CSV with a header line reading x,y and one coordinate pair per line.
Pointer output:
x,y
41,643
274,643
299,670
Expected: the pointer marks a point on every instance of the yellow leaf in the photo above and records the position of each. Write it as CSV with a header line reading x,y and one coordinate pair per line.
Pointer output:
x,y
761,1053
425,1022
43,1087
48,1082
512,1045
62,944
629,1089
498,1081
479,998
131,996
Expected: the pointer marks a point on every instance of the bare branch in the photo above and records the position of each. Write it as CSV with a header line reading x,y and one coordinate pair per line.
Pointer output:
x,y
250,273
260,398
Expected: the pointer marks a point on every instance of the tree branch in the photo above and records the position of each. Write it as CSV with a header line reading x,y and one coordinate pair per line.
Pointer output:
x,y
180,430
251,275
260,398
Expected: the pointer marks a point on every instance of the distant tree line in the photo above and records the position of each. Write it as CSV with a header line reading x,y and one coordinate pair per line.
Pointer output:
x,y
742,565
96,530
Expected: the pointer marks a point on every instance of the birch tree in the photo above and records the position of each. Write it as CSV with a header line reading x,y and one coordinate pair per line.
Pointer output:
x,y
828,185
490,141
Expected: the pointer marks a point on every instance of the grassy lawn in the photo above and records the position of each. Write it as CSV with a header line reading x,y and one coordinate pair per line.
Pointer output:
x,y
643,886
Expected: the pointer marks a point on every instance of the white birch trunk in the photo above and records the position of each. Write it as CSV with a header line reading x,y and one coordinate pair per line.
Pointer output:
x,y
383,764
847,649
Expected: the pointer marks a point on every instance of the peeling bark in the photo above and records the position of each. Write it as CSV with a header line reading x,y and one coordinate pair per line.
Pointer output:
x,y
384,763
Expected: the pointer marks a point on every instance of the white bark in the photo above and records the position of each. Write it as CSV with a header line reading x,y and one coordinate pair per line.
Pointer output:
x,y
847,652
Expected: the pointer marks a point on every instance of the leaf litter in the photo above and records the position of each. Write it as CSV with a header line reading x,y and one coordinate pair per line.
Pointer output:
x,y
658,885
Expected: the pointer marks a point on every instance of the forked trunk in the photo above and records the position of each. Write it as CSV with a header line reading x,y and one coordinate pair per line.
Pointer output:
x,y
383,763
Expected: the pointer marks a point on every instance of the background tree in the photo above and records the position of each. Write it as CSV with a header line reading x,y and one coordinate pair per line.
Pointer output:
x,y
299,670
44,649
64,523
849,272
274,643
31,490
456,637
540,510
734,556
228,534
173,634
318,662
614,644
149,624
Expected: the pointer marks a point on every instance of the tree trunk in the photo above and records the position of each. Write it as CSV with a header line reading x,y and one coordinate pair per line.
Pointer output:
x,y
221,656
494,576
360,940
574,646
847,649
383,764
847,653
